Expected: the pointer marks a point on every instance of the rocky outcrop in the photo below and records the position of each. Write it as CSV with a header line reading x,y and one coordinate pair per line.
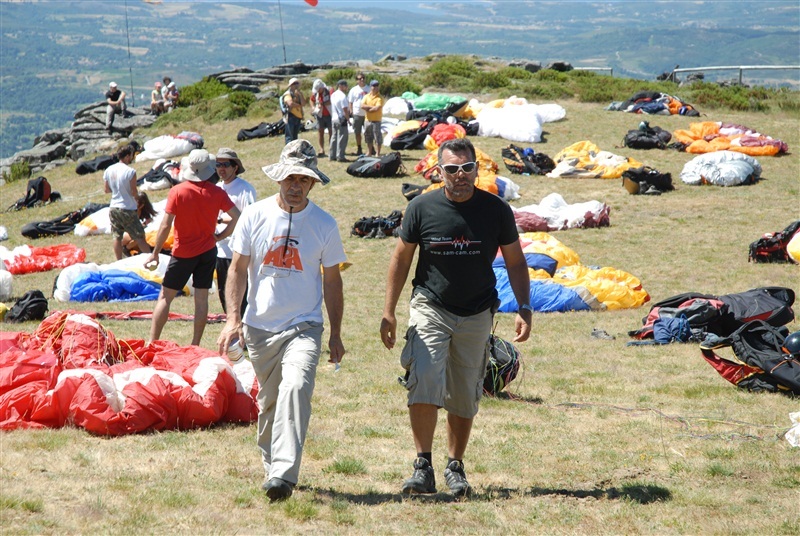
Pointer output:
x,y
86,136
243,79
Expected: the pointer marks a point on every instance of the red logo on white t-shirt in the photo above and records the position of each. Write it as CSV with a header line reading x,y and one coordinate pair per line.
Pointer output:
x,y
284,254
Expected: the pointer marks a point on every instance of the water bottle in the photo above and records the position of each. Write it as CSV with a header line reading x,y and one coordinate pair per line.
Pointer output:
x,y
235,352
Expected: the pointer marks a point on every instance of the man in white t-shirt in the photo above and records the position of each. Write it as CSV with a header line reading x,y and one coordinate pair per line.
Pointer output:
x,y
289,250
120,182
354,98
242,193
340,117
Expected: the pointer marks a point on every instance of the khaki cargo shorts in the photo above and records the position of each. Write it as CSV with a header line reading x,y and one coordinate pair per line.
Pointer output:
x,y
445,357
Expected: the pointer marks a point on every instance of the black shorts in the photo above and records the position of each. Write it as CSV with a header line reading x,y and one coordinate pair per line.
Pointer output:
x,y
201,268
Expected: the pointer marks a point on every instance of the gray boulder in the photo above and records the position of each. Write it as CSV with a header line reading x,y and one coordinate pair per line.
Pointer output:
x,y
530,66
51,136
560,66
245,87
264,95
43,152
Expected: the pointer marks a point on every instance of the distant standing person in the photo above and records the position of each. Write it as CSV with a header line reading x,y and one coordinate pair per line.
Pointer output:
x,y
340,120
290,251
120,182
115,98
292,102
321,105
194,206
356,95
242,194
157,100
458,230
372,104
171,97
165,92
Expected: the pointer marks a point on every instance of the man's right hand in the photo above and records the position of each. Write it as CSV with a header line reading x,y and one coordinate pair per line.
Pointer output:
x,y
230,333
152,261
389,331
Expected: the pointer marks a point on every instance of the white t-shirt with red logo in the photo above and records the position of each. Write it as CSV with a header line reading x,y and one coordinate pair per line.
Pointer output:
x,y
285,280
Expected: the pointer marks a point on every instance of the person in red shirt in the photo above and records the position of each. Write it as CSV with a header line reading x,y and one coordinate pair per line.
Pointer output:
x,y
321,106
193,206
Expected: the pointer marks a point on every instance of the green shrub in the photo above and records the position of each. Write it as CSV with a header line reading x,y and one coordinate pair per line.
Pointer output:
x,y
401,84
393,86
206,89
240,101
592,88
219,110
437,79
19,171
211,111
549,75
488,80
176,118
334,75
544,91
263,109
787,100
454,66
515,73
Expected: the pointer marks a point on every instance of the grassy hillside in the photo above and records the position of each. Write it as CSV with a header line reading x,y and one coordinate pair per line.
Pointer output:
x,y
597,437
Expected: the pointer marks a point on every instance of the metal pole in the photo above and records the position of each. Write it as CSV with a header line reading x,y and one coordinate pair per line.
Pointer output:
x,y
130,69
283,43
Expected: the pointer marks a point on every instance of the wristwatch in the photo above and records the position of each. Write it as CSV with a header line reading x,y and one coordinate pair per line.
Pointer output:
x,y
525,307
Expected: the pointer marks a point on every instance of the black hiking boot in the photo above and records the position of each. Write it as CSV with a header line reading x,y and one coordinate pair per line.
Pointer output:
x,y
457,480
423,480
277,489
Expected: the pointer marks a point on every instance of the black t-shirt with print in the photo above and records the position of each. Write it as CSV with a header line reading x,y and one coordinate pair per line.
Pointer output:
x,y
113,94
457,244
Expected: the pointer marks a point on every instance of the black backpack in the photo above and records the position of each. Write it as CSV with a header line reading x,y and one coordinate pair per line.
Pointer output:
x,y
61,225
262,130
519,160
411,139
39,192
503,366
96,164
646,180
722,315
759,362
772,247
377,226
388,165
647,137
31,306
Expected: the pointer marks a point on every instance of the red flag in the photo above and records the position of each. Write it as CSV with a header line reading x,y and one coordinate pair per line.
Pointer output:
x,y
312,2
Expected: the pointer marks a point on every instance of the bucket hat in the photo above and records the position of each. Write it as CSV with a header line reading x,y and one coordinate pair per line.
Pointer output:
x,y
297,158
199,166
229,154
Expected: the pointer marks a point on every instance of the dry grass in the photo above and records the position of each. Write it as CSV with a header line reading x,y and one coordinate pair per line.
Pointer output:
x,y
599,438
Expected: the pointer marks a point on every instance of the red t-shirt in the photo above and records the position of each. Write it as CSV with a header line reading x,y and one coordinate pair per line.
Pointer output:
x,y
324,103
196,206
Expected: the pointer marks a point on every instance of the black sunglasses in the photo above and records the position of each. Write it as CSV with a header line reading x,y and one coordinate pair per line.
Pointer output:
x,y
452,169
225,164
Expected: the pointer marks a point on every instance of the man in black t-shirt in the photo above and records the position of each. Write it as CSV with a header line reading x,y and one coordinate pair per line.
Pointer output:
x,y
458,230
115,98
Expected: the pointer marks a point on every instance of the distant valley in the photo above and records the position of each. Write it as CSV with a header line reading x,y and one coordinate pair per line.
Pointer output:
x,y
58,56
